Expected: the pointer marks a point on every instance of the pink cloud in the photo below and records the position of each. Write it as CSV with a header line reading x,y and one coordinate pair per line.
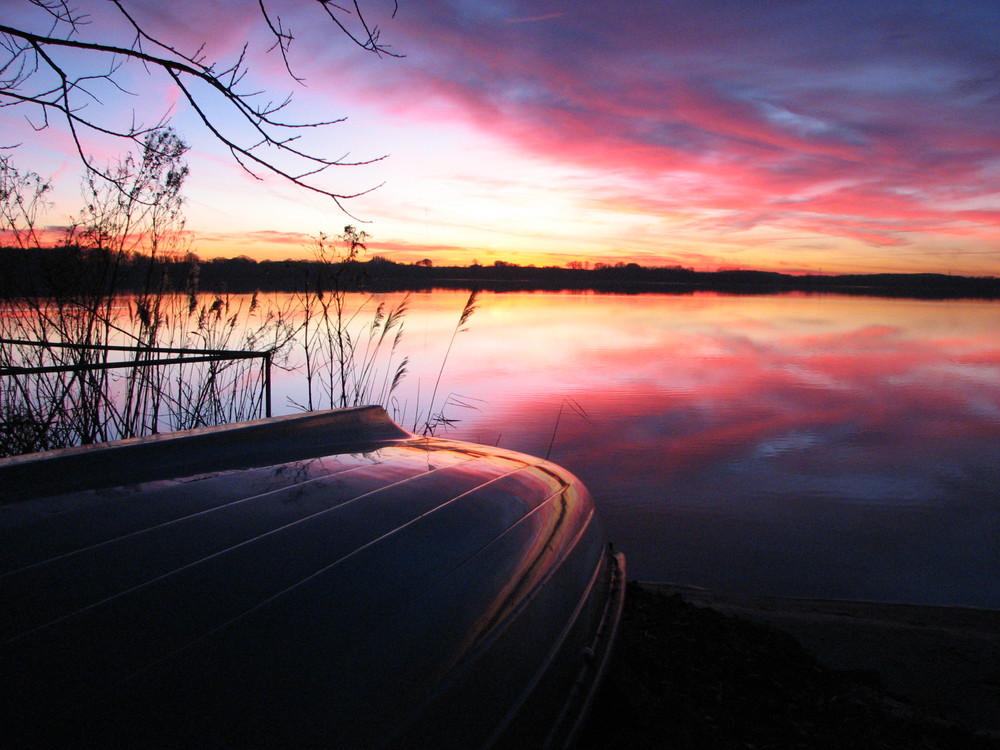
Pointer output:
x,y
734,123
745,121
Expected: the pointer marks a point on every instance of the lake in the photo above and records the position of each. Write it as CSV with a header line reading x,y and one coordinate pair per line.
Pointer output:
x,y
792,445
789,445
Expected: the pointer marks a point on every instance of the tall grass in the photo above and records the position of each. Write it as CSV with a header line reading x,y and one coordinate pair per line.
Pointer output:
x,y
81,319
82,402
348,345
434,420
350,341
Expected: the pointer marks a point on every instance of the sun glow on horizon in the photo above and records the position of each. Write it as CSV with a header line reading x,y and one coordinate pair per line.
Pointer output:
x,y
651,136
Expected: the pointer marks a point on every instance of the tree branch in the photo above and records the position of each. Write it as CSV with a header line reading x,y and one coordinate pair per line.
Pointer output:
x,y
27,56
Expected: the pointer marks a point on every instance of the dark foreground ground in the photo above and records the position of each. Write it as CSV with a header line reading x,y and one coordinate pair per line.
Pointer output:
x,y
693,669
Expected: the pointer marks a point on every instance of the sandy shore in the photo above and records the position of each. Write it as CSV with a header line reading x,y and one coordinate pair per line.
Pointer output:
x,y
944,659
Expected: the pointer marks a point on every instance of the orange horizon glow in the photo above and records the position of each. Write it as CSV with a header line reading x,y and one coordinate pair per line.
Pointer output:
x,y
680,136
279,246
260,247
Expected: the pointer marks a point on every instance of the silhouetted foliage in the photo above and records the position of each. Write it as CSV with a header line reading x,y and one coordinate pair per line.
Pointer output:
x,y
244,275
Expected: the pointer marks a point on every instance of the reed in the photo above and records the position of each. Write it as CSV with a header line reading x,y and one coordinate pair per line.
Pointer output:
x,y
577,409
350,340
347,344
434,420
77,326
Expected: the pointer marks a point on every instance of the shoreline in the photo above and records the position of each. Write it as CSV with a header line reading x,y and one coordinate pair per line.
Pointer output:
x,y
944,659
701,670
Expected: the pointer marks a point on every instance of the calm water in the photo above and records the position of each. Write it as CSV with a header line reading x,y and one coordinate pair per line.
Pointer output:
x,y
785,445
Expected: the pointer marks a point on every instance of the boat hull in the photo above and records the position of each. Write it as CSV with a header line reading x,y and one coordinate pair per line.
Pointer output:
x,y
323,580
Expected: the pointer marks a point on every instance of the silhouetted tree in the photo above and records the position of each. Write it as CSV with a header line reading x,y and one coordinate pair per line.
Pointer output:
x,y
60,59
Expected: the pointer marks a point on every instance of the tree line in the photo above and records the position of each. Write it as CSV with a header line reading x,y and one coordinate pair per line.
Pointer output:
x,y
58,271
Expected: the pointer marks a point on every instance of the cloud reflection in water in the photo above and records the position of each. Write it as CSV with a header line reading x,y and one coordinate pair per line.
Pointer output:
x,y
789,445
802,446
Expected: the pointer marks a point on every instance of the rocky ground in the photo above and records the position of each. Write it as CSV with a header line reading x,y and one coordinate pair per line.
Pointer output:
x,y
696,670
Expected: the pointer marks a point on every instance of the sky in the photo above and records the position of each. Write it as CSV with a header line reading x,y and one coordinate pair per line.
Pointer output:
x,y
794,136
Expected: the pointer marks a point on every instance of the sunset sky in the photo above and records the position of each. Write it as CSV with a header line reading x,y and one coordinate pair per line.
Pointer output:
x,y
792,136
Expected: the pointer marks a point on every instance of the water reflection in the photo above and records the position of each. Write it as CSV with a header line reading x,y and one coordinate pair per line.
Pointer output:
x,y
787,445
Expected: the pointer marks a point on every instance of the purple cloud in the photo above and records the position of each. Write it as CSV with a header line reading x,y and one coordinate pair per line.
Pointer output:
x,y
809,102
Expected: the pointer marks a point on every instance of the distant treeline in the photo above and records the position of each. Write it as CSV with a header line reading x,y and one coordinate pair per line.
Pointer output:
x,y
69,270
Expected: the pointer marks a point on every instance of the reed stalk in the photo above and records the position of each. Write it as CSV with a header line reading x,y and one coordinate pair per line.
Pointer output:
x,y
350,342
434,420
82,306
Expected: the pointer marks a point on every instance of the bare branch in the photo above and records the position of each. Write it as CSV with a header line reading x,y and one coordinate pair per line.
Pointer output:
x,y
34,70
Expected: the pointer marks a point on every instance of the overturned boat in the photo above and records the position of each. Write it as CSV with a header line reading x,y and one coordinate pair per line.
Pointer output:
x,y
325,579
